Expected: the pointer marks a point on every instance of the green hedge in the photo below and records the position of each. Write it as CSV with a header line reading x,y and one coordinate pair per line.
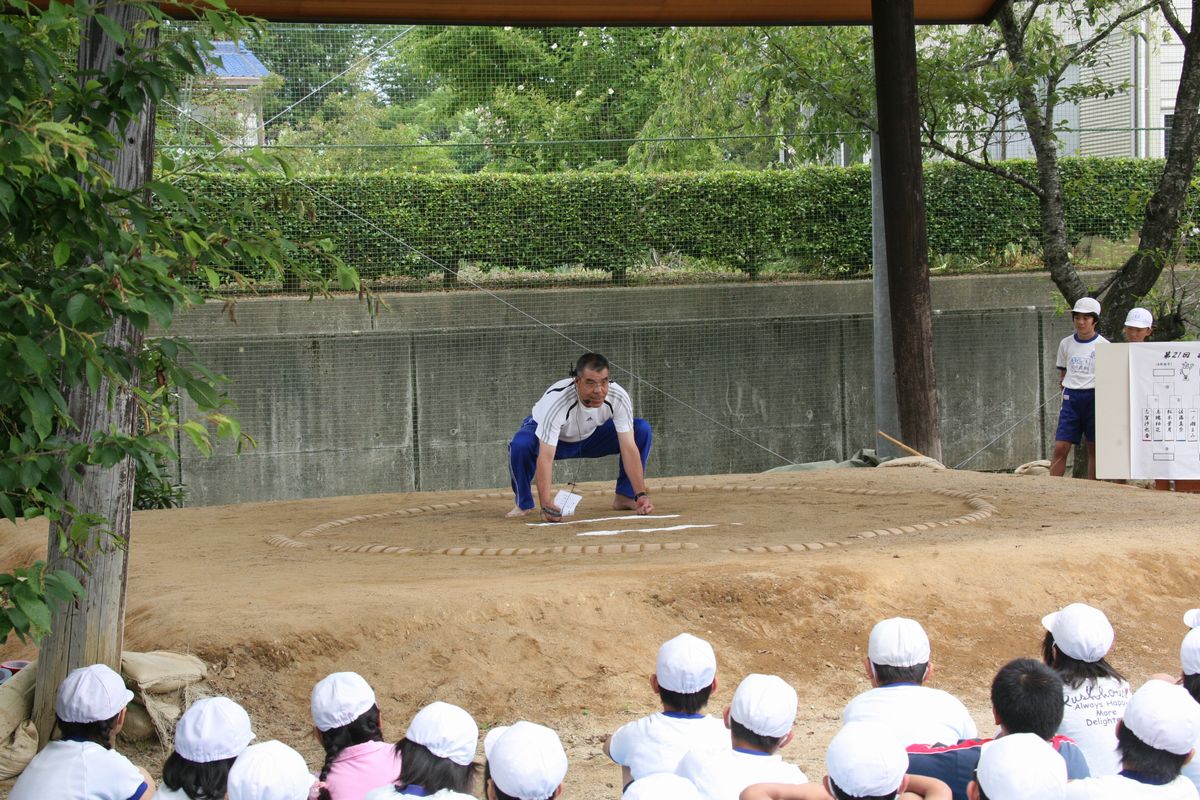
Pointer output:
x,y
818,218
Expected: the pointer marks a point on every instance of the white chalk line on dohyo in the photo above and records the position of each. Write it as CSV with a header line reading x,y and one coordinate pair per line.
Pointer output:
x,y
600,519
643,530
982,509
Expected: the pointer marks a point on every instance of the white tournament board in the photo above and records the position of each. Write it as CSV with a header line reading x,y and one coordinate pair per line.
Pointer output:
x,y
1148,410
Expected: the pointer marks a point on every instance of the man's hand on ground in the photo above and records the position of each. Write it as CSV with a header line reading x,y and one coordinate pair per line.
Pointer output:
x,y
644,506
551,513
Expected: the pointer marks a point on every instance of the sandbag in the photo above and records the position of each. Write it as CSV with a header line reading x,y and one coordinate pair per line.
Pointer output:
x,y
1040,467
18,750
160,672
138,726
16,700
913,461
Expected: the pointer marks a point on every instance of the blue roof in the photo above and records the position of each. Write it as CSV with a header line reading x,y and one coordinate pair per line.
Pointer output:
x,y
233,60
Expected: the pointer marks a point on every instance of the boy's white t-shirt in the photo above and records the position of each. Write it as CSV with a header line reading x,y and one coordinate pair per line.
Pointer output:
x,y
915,714
1079,360
1118,787
77,770
1090,717
657,742
722,774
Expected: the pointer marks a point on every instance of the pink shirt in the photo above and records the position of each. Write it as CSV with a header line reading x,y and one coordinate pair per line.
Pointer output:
x,y
361,768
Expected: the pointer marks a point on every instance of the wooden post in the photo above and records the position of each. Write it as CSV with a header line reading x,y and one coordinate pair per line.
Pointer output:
x,y
92,632
894,35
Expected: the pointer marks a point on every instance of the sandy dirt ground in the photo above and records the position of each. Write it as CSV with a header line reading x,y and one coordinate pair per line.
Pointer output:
x,y
569,638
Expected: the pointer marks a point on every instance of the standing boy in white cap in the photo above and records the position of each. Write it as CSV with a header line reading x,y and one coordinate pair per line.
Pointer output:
x,y
525,761
1156,737
865,761
1020,766
90,710
1076,364
684,678
760,722
1139,324
898,665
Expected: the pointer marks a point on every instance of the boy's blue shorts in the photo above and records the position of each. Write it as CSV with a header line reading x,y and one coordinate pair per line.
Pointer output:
x,y
1077,417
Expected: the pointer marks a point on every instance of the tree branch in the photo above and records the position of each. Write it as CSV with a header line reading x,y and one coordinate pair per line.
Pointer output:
x,y
1168,12
983,166
1100,35
853,113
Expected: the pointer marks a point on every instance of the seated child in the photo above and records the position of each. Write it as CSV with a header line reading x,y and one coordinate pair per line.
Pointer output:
x,y
208,737
348,726
437,756
269,771
684,678
760,723
525,761
89,710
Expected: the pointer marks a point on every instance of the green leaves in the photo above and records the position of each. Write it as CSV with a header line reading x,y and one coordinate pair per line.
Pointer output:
x,y
29,595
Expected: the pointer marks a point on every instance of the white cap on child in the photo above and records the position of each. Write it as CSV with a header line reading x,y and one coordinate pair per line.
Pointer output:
x,y
1139,318
1086,305
765,704
1164,716
446,730
898,642
1021,766
662,786
269,771
1080,631
686,664
340,699
91,694
865,759
213,729
526,760
1189,651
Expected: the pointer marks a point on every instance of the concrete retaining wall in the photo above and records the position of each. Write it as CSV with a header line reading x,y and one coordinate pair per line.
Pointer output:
x,y
425,394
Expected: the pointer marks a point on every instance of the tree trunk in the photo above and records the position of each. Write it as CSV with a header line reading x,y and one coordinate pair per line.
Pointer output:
x,y
1160,226
1056,251
91,632
904,229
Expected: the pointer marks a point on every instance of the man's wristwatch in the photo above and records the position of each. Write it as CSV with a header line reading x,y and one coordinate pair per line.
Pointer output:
x,y
639,496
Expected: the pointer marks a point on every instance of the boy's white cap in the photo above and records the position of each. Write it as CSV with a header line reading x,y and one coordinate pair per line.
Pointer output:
x,y
765,704
1086,305
686,664
662,786
1189,652
898,642
865,759
340,699
213,729
1080,631
269,771
1192,618
91,694
1164,716
526,760
1021,766
1139,318
446,730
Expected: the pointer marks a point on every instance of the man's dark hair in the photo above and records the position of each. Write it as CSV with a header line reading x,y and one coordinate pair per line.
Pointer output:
x,y
1073,671
100,733
593,361
840,794
688,703
886,675
1159,766
199,780
1028,698
420,767
767,744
